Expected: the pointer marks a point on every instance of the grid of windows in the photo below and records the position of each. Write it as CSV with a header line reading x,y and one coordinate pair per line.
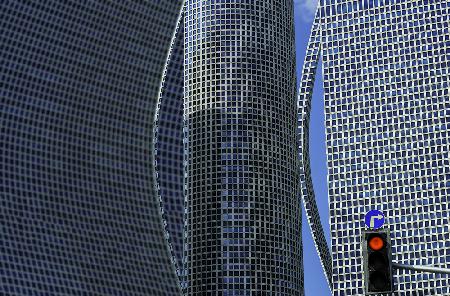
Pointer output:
x,y
243,227
78,88
386,79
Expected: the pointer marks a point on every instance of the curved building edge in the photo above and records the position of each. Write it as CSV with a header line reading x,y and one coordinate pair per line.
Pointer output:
x,y
168,235
304,110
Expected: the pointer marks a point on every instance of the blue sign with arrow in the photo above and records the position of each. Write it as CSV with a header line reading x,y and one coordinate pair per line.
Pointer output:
x,y
374,219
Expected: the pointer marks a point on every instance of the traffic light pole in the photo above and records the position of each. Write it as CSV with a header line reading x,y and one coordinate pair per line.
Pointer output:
x,y
421,268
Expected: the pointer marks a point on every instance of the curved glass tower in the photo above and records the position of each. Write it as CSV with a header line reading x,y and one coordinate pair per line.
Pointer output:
x,y
243,227
79,213
386,84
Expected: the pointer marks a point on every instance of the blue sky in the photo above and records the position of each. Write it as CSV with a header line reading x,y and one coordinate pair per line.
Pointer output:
x,y
315,283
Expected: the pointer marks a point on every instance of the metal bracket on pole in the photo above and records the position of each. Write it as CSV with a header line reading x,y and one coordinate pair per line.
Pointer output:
x,y
424,268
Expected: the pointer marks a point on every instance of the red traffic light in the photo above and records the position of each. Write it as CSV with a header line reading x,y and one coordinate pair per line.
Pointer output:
x,y
376,243
376,249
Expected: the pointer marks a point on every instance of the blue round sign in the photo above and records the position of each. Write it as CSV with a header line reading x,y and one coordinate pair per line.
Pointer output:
x,y
374,219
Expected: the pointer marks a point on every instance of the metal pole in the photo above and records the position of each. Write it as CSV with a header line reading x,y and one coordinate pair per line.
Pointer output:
x,y
421,268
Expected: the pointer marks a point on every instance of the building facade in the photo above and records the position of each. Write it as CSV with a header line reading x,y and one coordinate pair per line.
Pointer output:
x,y
79,210
386,82
243,227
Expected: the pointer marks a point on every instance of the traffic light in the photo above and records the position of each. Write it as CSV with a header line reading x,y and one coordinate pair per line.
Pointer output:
x,y
377,261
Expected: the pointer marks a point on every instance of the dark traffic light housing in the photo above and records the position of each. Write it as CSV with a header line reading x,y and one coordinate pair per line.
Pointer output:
x,y
377,260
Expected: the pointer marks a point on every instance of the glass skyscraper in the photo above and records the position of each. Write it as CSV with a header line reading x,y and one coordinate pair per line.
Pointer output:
x,y
386,72
243,228
79,210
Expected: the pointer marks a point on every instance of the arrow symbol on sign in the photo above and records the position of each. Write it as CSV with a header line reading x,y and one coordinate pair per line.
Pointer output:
x,y
372,220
